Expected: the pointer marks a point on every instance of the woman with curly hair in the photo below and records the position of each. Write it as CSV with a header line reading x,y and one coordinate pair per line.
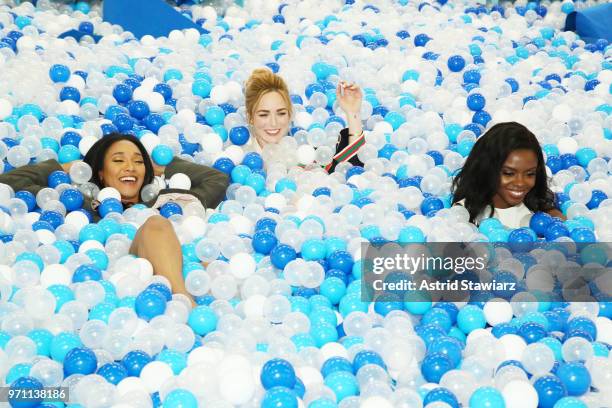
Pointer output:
x,y
505,177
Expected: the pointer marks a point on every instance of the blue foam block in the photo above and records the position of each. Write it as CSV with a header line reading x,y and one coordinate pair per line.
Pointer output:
x,y
146,17
77,35
592,23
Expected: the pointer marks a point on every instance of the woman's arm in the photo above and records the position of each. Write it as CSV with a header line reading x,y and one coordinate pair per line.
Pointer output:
x,y
207,184
556,213
31,177
34,177
349,97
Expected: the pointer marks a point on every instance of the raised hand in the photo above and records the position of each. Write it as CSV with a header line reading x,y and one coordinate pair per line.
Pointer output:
x,y
349,97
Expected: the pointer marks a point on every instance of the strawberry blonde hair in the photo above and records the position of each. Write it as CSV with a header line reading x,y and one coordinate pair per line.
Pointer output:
x,y
260,83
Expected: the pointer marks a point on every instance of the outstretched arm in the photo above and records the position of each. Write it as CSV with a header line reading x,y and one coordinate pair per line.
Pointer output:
x,y
32,177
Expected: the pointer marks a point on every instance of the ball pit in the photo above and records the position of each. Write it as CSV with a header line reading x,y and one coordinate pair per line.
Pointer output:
x,y
276,270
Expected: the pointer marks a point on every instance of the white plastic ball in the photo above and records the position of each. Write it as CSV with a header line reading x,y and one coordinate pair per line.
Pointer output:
x,y
108,192
180,181
497,311
520,394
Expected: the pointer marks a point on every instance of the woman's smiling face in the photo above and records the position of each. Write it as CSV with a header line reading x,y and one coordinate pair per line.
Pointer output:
x,y
517,178
270,119
124,170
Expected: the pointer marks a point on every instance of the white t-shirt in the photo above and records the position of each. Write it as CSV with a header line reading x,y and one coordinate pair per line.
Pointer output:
x,y
252,146
512,217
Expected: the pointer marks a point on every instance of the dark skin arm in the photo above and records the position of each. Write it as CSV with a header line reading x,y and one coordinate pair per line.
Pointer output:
x,y
556,213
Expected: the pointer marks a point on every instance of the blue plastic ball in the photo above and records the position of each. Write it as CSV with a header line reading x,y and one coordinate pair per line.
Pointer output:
x,y
556,230
134,361
431,204
154,121
201,88
421,39
576,378
28,198
122,93
539,223
443,395
279,397
434,366
169,209
476,102
343,384
281,255
150,303
366,357
264,241
68,153
448,346
253,161
87,272
597,197
86,27
113,372
335,364
277,372
226,165
62,343
180,398
487,397
59,73
202,320
70,93
214,115
138,109
239,135
80,360
72,199
550,389
21,387
582,235
110,205
162,154
471,318
456,63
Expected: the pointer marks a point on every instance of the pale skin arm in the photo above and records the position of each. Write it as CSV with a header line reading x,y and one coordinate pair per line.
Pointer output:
x,y
349,97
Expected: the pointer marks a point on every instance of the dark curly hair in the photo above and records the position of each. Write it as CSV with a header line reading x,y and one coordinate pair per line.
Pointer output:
x,y
478,181
95,156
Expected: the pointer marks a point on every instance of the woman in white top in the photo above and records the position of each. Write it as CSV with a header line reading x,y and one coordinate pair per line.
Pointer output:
x,y
269,112
505,177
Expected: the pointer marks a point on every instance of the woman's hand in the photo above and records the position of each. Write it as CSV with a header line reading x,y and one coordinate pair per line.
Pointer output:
x,y
158,170
67,166
349,97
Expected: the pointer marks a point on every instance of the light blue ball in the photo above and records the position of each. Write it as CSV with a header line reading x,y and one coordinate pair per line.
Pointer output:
x,y
343,384
487,397
569,402
180,398
411,234
162,154
214,115
334,289
471,318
